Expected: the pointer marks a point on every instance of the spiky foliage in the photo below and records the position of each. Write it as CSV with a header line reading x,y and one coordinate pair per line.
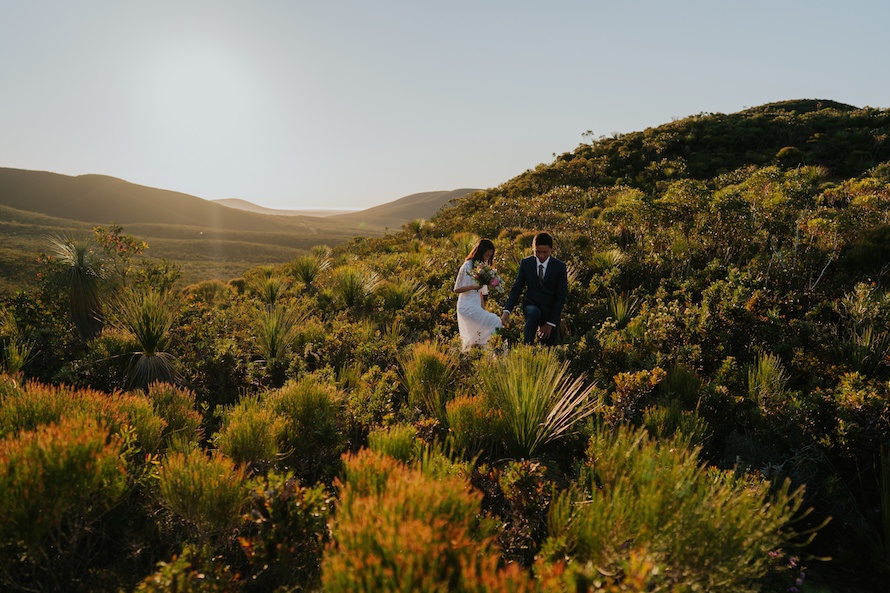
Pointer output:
x,y
397,294
767,380
15,349
146,316
269,289
80,270
540,401
351,286
622,307
601,261
277,328
427,373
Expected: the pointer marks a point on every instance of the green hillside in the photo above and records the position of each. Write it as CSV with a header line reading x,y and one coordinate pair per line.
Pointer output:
x,y
715,418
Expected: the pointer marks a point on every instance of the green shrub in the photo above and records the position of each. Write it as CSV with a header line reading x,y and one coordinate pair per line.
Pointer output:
x,y
474,426
36,405
709,530
630,391
56,482
195,570
176,406
311,437
207,492
398,441
284,533
250,433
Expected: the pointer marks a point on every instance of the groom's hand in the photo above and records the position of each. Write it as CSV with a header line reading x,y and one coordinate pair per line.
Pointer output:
x,y
505,318
544,331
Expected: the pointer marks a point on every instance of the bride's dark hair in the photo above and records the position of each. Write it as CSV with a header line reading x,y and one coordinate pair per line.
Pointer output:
x,y
479,250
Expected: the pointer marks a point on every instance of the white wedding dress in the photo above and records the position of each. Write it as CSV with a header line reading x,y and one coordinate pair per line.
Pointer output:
x,y
475,324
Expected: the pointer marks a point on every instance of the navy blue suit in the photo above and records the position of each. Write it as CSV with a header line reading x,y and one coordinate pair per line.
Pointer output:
x,y
543,300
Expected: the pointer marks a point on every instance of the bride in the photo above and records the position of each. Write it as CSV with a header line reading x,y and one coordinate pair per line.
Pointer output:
x,y
475,324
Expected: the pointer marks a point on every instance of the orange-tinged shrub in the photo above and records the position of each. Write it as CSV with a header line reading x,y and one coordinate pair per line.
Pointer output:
x,y
397,529
59,472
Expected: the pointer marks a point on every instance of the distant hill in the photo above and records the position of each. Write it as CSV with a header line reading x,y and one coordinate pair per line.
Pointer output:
x,y
393,215
209,239
239,204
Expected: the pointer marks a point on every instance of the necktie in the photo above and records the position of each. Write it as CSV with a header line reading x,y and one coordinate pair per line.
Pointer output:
x,y
540,272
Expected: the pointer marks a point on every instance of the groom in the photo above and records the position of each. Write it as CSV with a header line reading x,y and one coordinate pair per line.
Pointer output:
x,y
546,285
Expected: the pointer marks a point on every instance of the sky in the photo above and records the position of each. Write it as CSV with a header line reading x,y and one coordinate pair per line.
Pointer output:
x,y
348,104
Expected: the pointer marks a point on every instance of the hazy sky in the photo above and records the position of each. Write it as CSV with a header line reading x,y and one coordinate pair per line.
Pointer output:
x,y
349,104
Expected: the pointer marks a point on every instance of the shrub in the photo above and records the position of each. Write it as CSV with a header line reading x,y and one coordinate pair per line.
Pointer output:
x,y
474,426
398,530
312,437
399,442
539,401
194,570
56,481
176,406
35,405
207,492
630,390
427,373
250,433
709,530
284,533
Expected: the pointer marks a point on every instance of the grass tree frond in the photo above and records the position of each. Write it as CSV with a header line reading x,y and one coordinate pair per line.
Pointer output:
x,y
767,379
622,307
539,400
276,330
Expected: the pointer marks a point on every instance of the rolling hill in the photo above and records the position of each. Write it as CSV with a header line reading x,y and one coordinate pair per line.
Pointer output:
x,y
208,239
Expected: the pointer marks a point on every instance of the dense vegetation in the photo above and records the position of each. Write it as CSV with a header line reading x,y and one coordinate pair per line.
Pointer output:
x,y
717,418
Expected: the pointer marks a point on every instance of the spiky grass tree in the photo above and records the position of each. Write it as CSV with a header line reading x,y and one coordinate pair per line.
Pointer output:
x,y
540,402
15,349
397,294
622,307
270,289
146,316
427,373
80,271
352,286
767,380
276,330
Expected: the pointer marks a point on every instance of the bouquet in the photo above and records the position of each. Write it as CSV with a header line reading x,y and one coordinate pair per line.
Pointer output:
x,y
487,277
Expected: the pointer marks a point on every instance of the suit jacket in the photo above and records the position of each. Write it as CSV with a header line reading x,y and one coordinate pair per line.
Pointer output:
x,y
549,295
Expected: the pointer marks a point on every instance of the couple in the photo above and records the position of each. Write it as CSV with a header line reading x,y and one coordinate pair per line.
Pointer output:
x,y
542,276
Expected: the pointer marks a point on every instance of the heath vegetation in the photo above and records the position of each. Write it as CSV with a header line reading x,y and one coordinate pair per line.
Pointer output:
x,y
717,417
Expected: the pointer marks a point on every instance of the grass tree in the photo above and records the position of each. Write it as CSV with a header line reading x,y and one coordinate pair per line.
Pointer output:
x,y
352,286
15,349
539,400
427,373
307,269
276,330
146,316
79,270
